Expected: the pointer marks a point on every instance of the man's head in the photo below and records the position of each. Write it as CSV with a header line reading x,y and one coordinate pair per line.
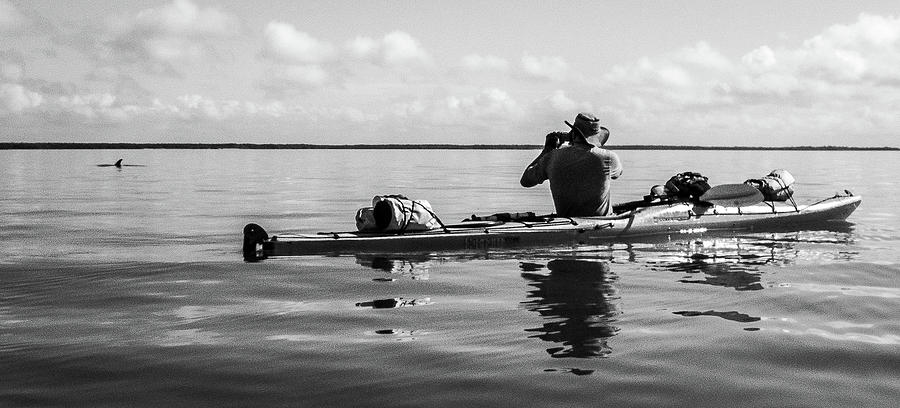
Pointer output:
x,y
588,127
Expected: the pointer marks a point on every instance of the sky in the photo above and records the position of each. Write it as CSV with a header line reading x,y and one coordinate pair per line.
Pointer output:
x,y
690,72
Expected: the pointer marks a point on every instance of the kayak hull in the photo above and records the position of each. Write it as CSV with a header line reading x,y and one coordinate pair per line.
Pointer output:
x,y
679,220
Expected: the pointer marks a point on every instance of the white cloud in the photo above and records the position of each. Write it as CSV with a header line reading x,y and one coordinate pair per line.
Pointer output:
x,y
397,48
868,49
760,59
552,68
193,104
159,37
297,60
199,107
844,60
868,32
85,105
475,62
702,56
490,103
845,79
285,43
698,66
771,84
559,102
362,47
483,108
662,75
400,48
16,98
182,17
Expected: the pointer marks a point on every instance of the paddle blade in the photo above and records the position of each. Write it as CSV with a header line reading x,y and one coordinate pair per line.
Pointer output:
x,y
732,195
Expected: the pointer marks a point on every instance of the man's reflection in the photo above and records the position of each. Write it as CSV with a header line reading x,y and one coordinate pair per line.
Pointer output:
x,y
574,298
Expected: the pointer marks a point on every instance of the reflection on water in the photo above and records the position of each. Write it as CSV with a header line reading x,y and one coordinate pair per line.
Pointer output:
x,y
393,303
575,300
576,297
737,262
741,275
413,267
733,316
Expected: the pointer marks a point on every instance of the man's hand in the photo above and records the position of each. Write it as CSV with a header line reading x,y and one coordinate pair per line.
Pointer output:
x,y
554,140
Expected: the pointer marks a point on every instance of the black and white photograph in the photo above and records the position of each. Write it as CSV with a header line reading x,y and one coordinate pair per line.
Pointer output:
x,y
397,203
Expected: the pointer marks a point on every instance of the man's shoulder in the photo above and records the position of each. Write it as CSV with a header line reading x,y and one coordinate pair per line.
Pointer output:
x,y
599,151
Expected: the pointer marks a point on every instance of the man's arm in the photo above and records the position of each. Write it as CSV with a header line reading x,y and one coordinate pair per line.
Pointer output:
x,y
535,173
614,165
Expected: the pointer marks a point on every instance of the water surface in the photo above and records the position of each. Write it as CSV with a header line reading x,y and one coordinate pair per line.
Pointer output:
x,y
126,287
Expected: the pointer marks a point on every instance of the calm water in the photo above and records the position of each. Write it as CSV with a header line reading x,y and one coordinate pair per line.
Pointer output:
x,y
126,287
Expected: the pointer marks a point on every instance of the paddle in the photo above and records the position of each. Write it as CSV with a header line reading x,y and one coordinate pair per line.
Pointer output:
x,y
732,195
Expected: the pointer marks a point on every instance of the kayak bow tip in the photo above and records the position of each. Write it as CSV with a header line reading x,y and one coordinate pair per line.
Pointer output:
x,y
254,236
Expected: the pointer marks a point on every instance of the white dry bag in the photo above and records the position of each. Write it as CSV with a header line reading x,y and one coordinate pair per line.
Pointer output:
x,y
396,213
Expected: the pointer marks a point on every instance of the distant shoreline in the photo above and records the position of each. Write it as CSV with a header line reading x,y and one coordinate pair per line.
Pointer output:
x,y
301,146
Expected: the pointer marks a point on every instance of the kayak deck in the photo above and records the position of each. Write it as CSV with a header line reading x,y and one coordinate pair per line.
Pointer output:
x,y
683,219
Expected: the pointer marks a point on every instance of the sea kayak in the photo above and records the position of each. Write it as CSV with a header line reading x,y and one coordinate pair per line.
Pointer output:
x,y
672,220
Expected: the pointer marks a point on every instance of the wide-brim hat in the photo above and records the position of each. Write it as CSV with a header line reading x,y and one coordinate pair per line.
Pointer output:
x,y
588,125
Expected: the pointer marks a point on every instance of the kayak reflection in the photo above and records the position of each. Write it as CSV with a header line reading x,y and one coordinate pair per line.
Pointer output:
x,y
739,263
413,267
739,274
576,298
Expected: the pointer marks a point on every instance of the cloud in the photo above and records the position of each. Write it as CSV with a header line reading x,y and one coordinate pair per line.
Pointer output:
x,y
182,17
760,59
844,80
400,48
15,98
396,49
843,58
482,108
362,47
549,68
490,102
698,66
195,107
843,61
297,60
158,38
702,57
867,50
285,43
559,102
97,108
475,62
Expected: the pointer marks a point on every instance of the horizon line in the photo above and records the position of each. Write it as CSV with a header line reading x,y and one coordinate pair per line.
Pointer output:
x,y
392,146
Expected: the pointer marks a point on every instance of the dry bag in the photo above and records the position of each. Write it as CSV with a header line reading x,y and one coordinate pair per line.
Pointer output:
x,y
396,213
687,185
776,186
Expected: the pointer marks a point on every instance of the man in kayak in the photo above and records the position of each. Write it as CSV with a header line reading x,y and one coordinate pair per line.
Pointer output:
x,y
579,171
